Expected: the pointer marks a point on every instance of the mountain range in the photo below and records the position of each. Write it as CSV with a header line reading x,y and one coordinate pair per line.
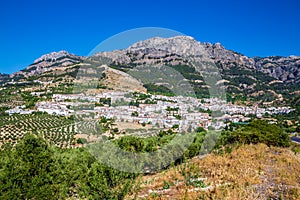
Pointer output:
x,y
274,79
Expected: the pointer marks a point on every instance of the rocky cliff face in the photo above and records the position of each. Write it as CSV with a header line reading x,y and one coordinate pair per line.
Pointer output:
x,y
286,69
259,78
4,78
155,51
242,75
227,57
48,62
173,51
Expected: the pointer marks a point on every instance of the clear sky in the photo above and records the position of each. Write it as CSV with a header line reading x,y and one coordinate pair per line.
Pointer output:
x,y
31,28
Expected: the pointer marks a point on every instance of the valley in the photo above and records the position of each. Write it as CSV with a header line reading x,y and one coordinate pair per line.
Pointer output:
x,y
185,119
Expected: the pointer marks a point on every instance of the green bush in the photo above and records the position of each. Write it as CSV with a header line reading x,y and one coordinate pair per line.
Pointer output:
x,y
35,170
257,131
81,141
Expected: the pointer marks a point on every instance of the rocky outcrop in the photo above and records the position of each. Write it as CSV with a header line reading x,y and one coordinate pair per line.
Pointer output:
x,y
155,51
240,74
228,57
173,51
48,62
4,78
286,69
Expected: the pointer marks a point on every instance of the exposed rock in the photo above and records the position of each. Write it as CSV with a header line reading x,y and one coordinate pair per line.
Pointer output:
x,y
4,78
174,50
240,74
48,62
286,69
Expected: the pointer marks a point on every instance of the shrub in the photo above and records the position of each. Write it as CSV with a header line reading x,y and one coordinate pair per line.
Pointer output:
x,y
81,141
257,131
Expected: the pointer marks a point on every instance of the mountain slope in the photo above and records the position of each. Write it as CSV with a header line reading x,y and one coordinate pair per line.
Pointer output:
x,y
49,62
286,69
4,78
249,172
270,79
243,76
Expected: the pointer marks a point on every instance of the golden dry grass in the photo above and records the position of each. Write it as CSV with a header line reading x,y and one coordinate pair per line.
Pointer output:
x,y
249,172
121,81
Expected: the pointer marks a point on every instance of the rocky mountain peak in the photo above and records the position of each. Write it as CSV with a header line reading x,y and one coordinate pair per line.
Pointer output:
x,y
3,77
157,50
286,69
53,56
48,61
164,43
180,45
183,46
173,51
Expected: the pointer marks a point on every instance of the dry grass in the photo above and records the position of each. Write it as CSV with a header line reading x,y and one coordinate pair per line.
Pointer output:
x,y
249,172
121,81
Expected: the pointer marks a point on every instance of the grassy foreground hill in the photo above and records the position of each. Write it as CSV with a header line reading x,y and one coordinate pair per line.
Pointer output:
x,y
249,172
244,165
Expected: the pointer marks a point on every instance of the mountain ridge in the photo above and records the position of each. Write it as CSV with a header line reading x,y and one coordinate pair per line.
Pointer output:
x,y
168,47
265,78
46,62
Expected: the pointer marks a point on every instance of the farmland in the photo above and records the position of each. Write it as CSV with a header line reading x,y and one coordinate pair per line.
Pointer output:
x,y
58,130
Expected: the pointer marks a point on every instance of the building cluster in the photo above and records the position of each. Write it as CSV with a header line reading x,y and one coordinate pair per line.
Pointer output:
x,y
55,108
19,110
182,113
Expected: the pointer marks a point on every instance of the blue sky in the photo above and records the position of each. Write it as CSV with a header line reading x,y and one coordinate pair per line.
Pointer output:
x,y
30,28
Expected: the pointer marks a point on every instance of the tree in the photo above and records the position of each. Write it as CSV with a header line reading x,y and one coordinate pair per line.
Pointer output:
x,y
131,143
35,170
82,141
200,129
298,128
28,168
257,131
134,114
